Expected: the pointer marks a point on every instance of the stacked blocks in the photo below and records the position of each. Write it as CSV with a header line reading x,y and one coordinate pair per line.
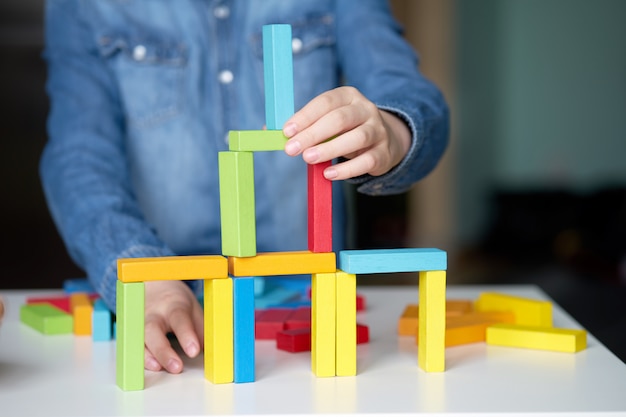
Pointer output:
x,y
229,288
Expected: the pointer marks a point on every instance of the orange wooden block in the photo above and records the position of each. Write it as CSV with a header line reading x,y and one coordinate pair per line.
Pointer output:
x,y
176,268
472,327
282,263
408,322
82,309
458,307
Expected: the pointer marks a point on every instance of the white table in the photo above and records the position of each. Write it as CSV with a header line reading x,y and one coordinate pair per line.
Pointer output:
x,y
72,376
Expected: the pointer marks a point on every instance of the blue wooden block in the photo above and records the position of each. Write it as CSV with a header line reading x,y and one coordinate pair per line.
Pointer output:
x,y
278,75
243,331
101,322
376,261
291,304
276,296
77,285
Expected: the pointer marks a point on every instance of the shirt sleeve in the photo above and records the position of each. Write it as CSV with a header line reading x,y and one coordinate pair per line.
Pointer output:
x,y
83,168
377,60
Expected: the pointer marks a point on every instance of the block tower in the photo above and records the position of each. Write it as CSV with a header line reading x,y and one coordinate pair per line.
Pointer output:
x,y
228,278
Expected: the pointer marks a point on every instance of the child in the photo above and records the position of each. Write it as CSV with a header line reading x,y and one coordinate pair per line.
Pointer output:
x,y
143,95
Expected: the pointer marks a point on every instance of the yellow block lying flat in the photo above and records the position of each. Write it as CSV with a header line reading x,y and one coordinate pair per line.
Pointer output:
x,y
527,311
534,337
175,268
282,263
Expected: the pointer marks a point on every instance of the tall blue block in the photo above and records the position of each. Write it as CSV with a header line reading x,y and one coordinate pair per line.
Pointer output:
x,y
278,75
377,261
243,332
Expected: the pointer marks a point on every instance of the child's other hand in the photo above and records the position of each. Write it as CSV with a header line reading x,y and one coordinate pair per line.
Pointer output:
x,y
171,307
373,140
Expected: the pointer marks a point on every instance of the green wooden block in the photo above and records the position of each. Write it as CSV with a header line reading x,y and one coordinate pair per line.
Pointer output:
x,y
256,140
237,211
130,336
47,319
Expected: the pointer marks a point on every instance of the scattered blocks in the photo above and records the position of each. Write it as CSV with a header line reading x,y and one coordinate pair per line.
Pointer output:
x,y
409,321
62,303
77,285
294,340
299,319
362,334
282,263
46,319
375,261
527,311
101,322
537,337
82,310
270,322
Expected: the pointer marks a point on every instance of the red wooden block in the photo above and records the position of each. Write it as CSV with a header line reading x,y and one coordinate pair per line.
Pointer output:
x,y
360,302
362,334
271,321
300,319
62,303
320,208
294,340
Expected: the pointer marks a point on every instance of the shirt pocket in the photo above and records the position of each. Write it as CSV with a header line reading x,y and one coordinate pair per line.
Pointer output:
x,y
149,73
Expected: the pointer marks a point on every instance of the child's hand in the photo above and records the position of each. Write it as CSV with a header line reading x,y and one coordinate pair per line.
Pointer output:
x,y
171,308
373,141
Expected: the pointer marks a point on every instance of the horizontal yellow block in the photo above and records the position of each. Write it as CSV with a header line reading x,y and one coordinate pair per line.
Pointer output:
x,y
535,337
282,263
172,268
527,311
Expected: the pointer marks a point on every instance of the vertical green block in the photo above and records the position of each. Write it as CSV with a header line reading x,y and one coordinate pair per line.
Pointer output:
x,y
47,319
237,211
130,336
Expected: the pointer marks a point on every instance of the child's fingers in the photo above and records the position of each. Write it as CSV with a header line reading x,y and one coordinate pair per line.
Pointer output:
x,y
318,107
184,330
355,141
159,346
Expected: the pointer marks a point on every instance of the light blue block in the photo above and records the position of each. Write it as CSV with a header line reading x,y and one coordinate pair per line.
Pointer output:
x,y
278,75
276,296
377,261
77,285
101,322
243,331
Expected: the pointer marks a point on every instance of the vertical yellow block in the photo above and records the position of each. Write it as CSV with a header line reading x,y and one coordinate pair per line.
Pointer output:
x,y
527,311
82,309
323,324
432,321
345,312
218,330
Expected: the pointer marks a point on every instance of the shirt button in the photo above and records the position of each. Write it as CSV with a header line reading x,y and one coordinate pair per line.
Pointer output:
x,y
225,77
139,52
296,45
221,12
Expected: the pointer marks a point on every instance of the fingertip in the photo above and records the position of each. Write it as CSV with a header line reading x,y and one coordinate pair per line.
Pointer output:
x,y
192,349
152,364
290,129
174,366
330,173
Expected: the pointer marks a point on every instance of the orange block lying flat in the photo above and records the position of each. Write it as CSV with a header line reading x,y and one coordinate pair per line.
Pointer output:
x,y
458,307
175,268
282,263
408,322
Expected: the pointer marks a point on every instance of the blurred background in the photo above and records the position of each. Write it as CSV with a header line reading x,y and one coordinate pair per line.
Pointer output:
x,y
532,188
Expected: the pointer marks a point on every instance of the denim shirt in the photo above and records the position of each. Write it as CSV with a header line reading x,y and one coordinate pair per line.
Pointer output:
x,y
143,94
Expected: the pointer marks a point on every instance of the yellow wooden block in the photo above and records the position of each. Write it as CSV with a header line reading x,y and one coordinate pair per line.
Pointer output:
x,y
323,324
346,324
432,321
174,268
527,311
82,309
218,330
282,263
537,337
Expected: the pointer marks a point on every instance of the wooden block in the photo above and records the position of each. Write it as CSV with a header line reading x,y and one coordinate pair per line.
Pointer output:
x,y
256,140
82,310
218,330
527,311
46,319
409,321
472,327
294,340
243,329
362,334
130,327
432,321
175,268
345,295
299,319
275,297
320,208
323,324
278,75
537,337
101,322
78,285
271,321
282,263
375,261
62,303
360,302
458,307
237,210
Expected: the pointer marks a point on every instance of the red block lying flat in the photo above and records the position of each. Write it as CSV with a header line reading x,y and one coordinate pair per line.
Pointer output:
x,y
294,340
271,321
362,334
300,319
